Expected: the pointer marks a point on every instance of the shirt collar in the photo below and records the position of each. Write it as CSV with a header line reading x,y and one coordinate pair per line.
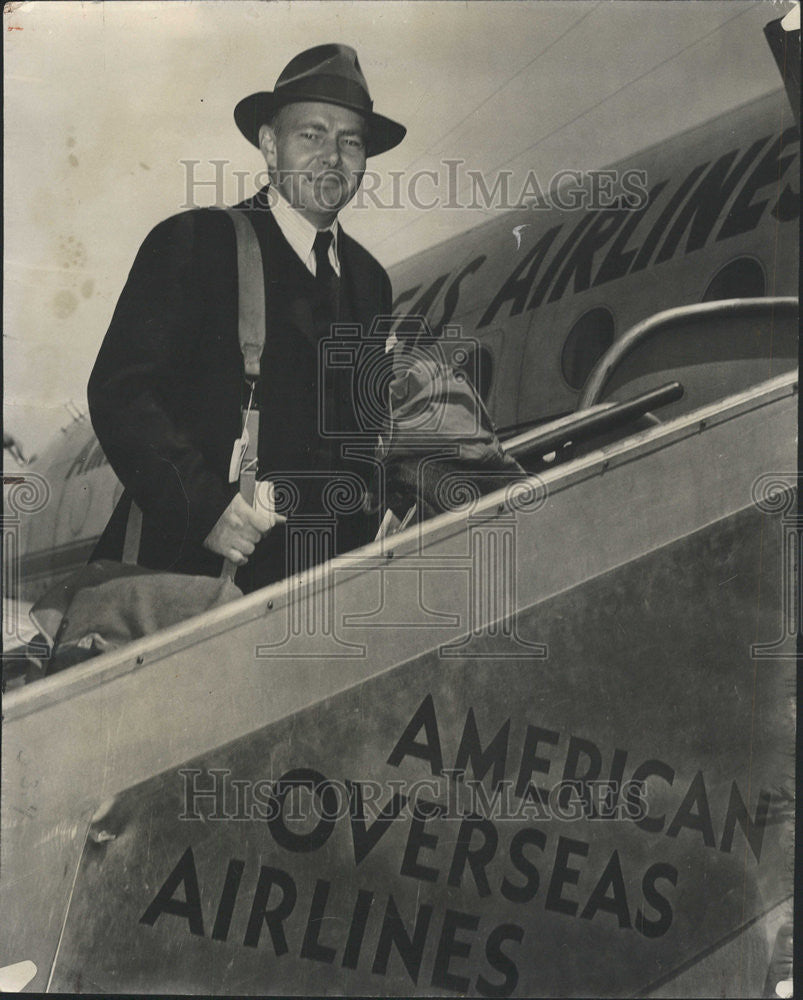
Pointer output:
x,y
300,233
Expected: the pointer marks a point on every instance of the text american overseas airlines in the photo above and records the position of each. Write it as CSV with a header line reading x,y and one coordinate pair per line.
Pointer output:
x,y
541,866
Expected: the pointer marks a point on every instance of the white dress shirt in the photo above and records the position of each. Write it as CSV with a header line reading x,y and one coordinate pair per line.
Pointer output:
x,y
300,234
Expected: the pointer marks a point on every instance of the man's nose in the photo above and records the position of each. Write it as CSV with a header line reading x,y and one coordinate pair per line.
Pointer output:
x,y
330,152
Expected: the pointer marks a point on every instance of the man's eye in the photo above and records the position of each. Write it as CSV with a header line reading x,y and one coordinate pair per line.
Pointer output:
x,y
354,143
310,135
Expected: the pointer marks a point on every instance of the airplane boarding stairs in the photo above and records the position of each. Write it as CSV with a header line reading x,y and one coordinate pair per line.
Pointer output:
x,y
628,618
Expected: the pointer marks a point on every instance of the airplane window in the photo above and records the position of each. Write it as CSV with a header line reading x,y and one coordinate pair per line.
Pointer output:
x,y
585,344
742,278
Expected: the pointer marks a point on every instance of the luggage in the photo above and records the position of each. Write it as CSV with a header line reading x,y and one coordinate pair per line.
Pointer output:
x,y
441,450
105,605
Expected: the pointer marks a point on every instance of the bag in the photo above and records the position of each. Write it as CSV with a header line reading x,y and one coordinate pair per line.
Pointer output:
x,y
441,449
106,604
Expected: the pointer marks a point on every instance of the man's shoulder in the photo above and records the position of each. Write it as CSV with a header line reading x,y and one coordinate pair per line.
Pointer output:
x,y
192,221
188,238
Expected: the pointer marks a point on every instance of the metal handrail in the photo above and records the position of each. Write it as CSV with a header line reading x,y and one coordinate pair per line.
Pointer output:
x,y
624,345
589,424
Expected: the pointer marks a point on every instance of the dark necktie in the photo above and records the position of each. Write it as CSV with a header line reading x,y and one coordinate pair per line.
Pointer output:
x,y
325,277
324,272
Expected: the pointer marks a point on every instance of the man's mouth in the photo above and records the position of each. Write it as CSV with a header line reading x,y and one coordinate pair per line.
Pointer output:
x,y
324,177
329,189
330,178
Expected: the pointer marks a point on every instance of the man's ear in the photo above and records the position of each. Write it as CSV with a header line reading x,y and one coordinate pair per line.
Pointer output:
x,y
267,144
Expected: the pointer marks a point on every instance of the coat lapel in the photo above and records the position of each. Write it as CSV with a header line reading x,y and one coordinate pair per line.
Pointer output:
x,y
358,286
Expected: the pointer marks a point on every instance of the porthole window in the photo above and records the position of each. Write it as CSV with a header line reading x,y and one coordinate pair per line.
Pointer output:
x,y
742,278
586,342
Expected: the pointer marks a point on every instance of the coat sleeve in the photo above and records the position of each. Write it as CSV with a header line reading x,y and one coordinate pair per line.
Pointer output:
x,y
135,389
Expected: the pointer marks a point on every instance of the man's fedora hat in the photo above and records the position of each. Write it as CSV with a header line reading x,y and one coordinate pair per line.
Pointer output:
x,y
328,73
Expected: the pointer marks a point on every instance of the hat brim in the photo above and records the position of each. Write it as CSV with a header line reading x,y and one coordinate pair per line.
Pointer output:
x,y
256,110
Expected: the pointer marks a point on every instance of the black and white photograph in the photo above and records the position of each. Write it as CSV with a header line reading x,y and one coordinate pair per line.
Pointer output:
x,y
400,535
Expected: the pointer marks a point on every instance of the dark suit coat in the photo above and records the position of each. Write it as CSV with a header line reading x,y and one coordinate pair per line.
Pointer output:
x,y
165,392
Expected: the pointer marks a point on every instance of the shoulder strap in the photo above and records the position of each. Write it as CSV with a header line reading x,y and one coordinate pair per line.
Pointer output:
x,y
251,331
250,293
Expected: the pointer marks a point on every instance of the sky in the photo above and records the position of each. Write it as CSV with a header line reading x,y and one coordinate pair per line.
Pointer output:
x,y
113,108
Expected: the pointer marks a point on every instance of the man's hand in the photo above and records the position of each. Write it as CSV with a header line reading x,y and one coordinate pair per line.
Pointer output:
x,y
238,529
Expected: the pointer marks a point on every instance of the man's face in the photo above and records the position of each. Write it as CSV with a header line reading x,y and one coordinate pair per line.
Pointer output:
x,y
315,153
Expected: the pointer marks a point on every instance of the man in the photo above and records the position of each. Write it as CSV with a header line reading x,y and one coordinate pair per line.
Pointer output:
x,y
166,392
